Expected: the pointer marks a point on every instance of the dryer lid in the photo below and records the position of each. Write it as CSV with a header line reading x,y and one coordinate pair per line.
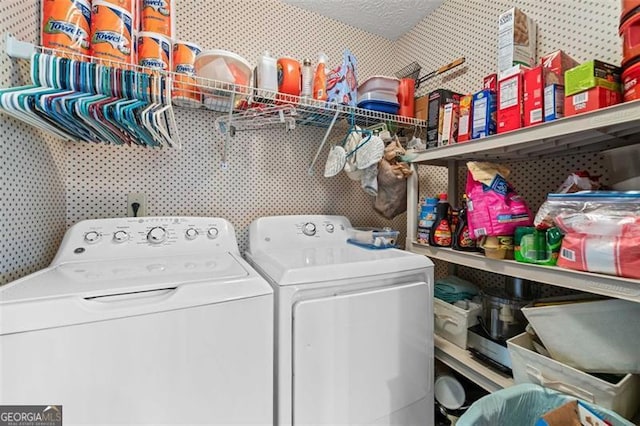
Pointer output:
x,y
317,264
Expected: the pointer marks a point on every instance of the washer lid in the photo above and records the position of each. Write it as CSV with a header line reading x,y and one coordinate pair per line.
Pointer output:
x,y
316,264
78,292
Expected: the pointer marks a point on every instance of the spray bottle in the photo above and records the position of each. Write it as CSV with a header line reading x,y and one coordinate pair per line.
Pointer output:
x,y
320,79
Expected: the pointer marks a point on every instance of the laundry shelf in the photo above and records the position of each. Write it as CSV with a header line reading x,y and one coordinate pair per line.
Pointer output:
x,y
596,131
606,285
242,104
464,363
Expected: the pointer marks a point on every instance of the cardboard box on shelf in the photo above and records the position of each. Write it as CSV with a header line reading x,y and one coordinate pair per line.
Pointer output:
x,y
517,35
510,99
553,102
450,124
421,106
484,114
491,82
464,122
591,100
533,112
554,65
435,114
591,74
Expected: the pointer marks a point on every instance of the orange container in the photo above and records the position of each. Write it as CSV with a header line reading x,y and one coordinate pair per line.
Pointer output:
x,y
157,16
111,32
154,51
289,79
66,25
628,7
630,33
630,77
185,91
406,92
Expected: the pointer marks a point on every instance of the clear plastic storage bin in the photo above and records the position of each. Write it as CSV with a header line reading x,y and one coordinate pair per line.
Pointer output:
x,y
373,238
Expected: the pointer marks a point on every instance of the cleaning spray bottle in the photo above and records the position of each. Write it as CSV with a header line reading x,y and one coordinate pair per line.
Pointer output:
x,y
320,79
440,235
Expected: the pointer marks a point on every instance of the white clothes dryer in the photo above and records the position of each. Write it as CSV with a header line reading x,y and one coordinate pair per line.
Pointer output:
x,y
154,320
354,326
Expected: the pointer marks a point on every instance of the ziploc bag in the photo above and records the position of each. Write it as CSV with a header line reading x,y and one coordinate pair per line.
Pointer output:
x,y
602,230
592,212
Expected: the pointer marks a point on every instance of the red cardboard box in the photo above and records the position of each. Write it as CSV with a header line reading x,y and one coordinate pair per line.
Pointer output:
x,y
510,99
554,65
464,122
491,82
590,100
533,96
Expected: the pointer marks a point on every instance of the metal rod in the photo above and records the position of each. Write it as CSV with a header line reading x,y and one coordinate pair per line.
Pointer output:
x,y
324,140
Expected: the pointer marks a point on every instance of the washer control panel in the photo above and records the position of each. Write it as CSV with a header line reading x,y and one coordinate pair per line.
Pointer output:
x,y
145,237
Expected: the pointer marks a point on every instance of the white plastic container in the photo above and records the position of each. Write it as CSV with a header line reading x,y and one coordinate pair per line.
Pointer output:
x,y
528,366
599,336
378,96
380,83
452,322
267,73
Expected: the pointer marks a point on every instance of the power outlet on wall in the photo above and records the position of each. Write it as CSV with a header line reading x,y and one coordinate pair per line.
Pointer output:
x,y
136,204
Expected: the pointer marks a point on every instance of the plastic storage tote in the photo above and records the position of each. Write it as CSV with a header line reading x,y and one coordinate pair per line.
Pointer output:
x,y
529,366
452,322
574,332
524,405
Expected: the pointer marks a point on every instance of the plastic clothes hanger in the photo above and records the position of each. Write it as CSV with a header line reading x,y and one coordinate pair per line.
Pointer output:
x,y
19,102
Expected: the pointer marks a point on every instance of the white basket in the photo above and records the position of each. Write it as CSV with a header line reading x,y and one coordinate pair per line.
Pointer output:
x,y
528,366
597,336
452,322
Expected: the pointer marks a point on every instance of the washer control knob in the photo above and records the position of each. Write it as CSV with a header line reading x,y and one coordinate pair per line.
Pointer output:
x,y
330,228
309,229
92,237
120,236
191,234
212,233
157,235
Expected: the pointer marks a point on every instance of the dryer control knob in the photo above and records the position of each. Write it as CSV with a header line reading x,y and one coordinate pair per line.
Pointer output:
x,y
92,237
330,228
191,233
157,235
212,233
309,229
120,236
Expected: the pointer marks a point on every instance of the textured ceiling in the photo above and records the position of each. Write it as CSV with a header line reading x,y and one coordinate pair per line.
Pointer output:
x,y
388,18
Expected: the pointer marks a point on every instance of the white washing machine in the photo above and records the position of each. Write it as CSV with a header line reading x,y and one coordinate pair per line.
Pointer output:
x,y
154,320
354,326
